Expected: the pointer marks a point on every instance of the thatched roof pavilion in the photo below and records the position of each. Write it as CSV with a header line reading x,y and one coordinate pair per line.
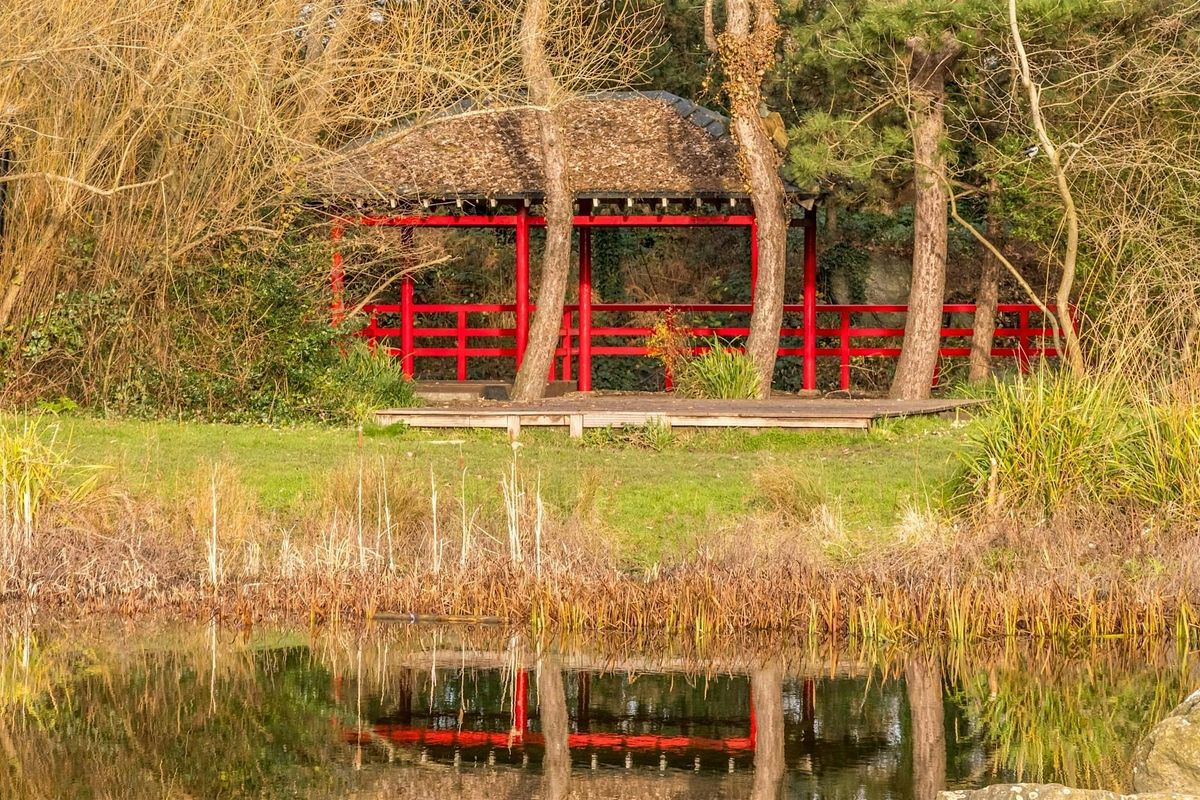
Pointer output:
x,y
636,159
622,145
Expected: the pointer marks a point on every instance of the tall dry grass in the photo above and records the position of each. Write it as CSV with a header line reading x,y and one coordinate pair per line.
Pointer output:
x,y
138,137
376,542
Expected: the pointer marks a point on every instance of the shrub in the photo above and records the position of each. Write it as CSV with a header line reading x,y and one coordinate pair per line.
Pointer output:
x,y
1048,441
244,337
362,381
719,373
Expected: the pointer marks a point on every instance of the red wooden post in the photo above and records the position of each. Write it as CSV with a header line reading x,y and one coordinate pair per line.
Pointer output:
x,y
337,278
1023,341
753,257
844,349
406,325
521,704
585,310
810,299
462,345
522,282
566,363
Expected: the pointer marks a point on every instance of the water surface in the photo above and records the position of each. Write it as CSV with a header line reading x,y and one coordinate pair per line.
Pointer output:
x,y
152,711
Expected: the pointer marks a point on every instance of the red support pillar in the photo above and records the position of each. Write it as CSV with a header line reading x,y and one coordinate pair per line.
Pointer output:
x,y
407,344
753,258
565,373
522,282
337,278
461,346
585,310
810,299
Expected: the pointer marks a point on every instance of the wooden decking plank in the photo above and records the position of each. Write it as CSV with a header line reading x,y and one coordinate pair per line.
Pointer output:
x,y
579,413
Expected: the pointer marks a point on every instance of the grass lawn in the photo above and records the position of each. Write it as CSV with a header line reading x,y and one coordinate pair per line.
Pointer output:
x,y
651,499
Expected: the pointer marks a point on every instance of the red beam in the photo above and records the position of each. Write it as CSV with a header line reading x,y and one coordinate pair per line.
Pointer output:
x,y
579,221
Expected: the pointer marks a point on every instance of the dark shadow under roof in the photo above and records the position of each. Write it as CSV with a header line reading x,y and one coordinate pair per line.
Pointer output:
x,y
640,145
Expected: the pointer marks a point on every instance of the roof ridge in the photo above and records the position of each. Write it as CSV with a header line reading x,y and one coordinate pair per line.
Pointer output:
x,y
712,122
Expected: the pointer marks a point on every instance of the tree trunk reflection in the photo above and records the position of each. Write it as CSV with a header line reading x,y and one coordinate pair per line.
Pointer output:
x,y
766,692
552,710
923,677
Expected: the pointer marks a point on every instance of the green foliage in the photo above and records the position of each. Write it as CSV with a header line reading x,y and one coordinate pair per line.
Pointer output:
x,y
242,337
828,148
719,373
363,381
1049,441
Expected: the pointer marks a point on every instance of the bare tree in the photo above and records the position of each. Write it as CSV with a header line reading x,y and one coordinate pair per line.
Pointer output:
x,y
544,94
747,51
929,65
1070,257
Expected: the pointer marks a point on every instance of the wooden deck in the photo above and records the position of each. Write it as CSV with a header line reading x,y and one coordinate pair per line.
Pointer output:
x,y
578,413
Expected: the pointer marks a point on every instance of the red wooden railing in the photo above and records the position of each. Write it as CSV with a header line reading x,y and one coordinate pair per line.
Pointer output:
x,y
453,336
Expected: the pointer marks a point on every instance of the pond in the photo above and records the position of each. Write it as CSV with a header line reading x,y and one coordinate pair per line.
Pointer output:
x,y
158,710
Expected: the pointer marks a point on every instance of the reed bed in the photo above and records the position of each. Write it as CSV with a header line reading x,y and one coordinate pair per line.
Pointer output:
x,y
384,538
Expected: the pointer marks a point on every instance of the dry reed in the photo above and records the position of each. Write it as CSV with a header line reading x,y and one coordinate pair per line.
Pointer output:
x,y
372,545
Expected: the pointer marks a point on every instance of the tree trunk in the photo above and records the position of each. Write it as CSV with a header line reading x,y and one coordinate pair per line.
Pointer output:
x,y
923,680
766,691
922,328
552,711
747,50
531,377
986,298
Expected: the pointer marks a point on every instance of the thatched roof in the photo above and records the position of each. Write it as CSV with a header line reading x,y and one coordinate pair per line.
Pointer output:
x,y
640,145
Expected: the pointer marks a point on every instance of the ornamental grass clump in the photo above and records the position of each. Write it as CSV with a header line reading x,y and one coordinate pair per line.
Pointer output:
x,y
1051,442
31,475
363,381
719,374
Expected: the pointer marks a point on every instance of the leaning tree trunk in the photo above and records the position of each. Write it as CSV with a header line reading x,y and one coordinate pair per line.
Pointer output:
x,y
922,329
987,297
923,680
532,375
747,50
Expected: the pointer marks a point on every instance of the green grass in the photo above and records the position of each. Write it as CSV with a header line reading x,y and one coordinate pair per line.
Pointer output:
x,y
654,500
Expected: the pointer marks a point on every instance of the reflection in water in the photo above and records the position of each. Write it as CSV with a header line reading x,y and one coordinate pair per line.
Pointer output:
x,y
556,765
426,712
766,687
923,682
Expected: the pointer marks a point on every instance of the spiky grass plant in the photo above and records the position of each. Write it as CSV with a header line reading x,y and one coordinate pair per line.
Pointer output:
x,y
719,373
1051,441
